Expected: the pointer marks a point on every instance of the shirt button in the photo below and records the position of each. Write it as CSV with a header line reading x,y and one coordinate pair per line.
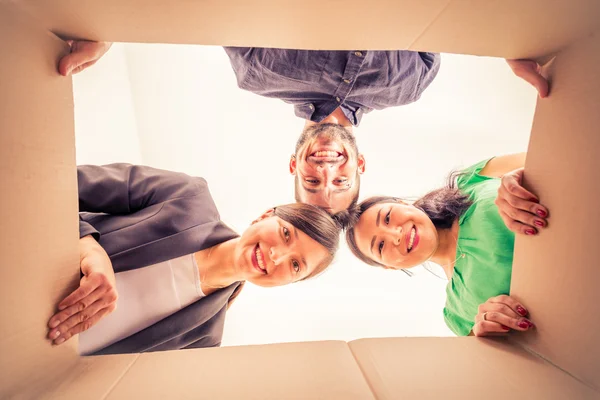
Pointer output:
x,y
347,80
311,107
338,99
358,54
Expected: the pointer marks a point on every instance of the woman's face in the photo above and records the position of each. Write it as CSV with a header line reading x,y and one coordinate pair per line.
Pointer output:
x,y
273,252
396,235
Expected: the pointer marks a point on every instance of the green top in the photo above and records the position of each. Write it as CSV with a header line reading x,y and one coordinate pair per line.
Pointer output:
x,y
485,269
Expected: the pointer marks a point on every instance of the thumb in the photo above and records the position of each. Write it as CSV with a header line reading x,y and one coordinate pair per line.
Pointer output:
x,y
71,61
81,55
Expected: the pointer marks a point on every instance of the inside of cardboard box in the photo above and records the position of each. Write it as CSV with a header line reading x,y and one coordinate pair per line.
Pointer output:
x,y
563,352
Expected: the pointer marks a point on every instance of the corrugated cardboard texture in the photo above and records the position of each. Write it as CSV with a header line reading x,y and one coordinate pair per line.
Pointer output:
x,y
507,28
557,273
38,199
303,371
461,368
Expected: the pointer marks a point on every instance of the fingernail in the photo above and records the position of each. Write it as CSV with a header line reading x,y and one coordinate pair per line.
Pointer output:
x,y
541,213
59,340
53,324
534,199
506,328
521,311
523,324
55,334
539,223
531,325
530,232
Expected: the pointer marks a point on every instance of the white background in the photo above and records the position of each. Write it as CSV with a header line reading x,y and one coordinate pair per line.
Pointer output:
x,y
178,107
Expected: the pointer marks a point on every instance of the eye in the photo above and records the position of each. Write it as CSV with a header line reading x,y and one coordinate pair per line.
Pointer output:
x,y
312,181
296,266
341,181
380,247
286,234
387,217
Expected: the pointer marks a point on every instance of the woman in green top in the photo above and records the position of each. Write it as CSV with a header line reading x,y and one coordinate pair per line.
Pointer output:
x,y
464,227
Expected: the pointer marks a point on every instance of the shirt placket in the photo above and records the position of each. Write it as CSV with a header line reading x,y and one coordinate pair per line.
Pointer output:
x,y
353,66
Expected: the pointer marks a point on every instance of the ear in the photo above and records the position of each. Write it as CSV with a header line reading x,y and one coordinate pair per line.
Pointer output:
x,y
361,164
293,164
266,214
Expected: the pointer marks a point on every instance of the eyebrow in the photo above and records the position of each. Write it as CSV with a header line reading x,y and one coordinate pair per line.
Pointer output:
x,y
377,224
310,190
372,243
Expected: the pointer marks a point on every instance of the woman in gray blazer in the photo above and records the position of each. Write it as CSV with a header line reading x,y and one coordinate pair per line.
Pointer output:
x,y
152,242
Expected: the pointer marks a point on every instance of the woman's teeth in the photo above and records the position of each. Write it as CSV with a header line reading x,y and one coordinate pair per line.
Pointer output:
x,y
412,238
259,259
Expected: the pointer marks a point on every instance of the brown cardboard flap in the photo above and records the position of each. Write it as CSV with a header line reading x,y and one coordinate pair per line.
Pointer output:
x,y
556,274
38,203
313,370
92,378
462,368
510,29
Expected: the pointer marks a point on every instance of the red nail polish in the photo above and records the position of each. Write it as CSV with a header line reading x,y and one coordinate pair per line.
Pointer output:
x,y
541,213
523,324
521,311
530,232
531,325
539,223
506,328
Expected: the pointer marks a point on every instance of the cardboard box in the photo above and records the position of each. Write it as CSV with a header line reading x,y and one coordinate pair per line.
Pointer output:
x,y
555,273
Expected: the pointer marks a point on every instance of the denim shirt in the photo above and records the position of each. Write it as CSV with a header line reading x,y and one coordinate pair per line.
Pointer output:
x,y
317,82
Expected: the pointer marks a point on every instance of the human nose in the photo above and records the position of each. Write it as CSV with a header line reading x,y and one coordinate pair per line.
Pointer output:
x,y
276,255
398,236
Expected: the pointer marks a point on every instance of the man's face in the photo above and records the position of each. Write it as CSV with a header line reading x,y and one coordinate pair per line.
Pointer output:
x,y
327,166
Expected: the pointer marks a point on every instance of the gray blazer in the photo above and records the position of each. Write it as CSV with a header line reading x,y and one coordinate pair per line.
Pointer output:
x,y
142,216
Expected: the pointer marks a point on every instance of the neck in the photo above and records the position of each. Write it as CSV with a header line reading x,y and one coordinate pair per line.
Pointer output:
x,y
336,117
217,264
445,255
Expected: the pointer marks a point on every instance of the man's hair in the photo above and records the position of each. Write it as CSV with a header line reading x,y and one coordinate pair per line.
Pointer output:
x,y
443,206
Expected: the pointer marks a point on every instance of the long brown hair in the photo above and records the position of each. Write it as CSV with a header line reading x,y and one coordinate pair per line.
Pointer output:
x,y
443,206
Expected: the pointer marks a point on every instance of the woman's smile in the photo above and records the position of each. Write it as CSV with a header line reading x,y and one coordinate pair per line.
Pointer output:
x,y
258,260
413,239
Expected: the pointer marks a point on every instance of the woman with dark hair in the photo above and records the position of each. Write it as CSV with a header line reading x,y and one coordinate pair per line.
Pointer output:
x,y
465,227
155,238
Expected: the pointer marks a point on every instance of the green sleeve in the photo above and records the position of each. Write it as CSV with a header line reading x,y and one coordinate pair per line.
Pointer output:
x,y
470,176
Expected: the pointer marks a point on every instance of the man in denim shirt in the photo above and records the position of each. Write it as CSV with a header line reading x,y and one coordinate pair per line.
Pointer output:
x,y
331,90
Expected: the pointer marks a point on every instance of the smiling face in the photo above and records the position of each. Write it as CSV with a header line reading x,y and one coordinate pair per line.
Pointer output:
x,y
327,167
273,252
396,235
